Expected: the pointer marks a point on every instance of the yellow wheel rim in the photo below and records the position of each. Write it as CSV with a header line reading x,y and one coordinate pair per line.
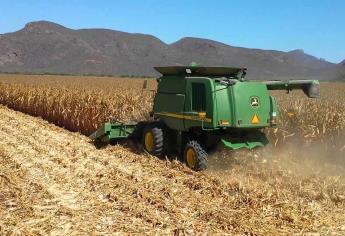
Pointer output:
x,y
191,157
149,141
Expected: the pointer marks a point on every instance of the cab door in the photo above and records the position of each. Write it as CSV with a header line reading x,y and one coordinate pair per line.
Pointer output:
x,y
199,100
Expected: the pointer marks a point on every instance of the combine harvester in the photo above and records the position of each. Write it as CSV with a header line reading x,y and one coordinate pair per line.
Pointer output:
x,y
195,108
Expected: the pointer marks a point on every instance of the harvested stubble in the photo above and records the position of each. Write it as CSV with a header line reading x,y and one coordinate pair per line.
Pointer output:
x,y
56,182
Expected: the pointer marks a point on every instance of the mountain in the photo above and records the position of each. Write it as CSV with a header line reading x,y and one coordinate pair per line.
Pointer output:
x,y
341,72
46,47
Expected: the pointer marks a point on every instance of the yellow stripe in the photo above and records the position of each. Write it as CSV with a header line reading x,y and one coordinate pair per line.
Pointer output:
x,y
178,116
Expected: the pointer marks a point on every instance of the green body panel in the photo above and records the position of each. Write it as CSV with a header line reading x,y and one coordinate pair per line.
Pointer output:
x,y
175,108
249,144
233,104
243,95
169,102
222,103
172,85
244,144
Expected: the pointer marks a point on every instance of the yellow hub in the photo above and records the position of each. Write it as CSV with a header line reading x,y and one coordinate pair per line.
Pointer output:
x,y
191,157
149,141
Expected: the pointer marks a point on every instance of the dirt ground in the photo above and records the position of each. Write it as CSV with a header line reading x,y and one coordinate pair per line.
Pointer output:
x,y
56,182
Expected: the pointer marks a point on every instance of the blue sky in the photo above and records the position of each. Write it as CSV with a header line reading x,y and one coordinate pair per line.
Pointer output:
x,y
317,26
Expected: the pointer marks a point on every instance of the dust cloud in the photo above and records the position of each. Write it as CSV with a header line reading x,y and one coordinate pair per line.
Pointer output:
x,y
319,158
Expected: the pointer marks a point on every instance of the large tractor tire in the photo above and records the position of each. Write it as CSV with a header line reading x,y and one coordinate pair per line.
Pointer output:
x,y
195,156
153,139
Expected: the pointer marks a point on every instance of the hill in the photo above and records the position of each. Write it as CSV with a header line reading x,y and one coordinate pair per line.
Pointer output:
x,y
46,47
340,74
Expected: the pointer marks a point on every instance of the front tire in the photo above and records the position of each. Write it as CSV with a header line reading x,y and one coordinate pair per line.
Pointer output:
x,y
153,140
195,156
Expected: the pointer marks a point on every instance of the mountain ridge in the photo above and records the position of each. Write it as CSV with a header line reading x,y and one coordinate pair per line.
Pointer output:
x,y
47,47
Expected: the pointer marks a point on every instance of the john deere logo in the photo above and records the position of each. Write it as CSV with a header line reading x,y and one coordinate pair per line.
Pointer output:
x,y
254,102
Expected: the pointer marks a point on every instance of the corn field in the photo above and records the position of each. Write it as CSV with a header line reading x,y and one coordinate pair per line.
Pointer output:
x,y
77,104
82,104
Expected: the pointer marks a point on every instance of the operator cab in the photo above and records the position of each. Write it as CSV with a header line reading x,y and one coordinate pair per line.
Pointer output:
x,y
216,96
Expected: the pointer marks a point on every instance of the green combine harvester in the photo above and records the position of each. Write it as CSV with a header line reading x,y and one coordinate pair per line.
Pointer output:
x,y
195,108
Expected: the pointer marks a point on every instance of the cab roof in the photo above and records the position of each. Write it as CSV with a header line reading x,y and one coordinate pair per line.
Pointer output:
x,y
200,70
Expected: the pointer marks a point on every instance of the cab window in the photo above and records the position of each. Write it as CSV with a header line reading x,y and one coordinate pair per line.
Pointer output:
x,y
198,97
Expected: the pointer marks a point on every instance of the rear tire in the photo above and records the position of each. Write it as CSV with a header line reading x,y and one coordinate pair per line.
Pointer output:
x,y
195,156
153,139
